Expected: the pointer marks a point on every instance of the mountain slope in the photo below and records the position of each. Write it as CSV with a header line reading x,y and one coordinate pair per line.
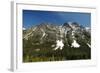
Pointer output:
x,y
50,38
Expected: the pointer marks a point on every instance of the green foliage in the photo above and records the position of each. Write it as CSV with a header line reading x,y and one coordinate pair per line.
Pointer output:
x,y
46,53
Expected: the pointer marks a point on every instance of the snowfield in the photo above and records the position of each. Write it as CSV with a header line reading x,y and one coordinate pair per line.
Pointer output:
x,y
75,44
59,44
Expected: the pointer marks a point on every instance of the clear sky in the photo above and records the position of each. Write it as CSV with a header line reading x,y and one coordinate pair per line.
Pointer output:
x,y
33,17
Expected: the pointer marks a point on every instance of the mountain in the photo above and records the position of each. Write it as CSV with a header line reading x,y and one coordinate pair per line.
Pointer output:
x,y
70,34
52,42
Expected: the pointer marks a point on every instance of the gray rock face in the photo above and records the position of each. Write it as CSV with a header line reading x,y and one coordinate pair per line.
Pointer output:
x,y
49,33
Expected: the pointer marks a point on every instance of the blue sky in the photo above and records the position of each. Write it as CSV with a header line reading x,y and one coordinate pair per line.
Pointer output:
x,y
33,17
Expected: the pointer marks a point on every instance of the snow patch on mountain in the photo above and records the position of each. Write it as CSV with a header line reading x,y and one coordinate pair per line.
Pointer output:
x,y
88,29
24,28
75,44
89,45
59,44
43,34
